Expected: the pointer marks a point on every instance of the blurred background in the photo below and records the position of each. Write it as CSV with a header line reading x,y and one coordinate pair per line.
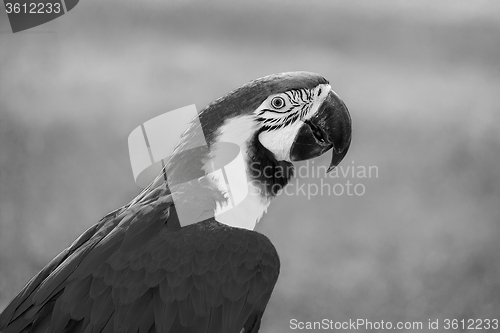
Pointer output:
x,y
422,83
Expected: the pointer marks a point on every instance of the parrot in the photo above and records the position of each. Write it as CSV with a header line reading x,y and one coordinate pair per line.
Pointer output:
x,y
144,268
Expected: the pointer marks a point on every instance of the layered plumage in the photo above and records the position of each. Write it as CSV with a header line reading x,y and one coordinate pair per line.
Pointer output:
x,y
138,270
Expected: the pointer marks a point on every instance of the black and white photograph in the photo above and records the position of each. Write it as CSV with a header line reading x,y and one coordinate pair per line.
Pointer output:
x,y
189,166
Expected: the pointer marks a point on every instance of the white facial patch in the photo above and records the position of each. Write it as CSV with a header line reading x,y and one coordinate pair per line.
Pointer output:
x,y
281,124
279,141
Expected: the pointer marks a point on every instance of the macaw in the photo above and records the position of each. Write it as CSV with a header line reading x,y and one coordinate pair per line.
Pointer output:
x,y
139,269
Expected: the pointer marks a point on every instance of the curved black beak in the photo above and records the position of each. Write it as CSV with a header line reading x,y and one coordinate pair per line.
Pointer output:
x,y
329,128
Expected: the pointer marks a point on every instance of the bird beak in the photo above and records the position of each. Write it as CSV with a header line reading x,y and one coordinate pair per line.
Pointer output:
x,y
329,128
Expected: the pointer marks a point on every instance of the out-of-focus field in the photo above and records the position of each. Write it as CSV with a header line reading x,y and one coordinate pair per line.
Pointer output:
x,y
422,83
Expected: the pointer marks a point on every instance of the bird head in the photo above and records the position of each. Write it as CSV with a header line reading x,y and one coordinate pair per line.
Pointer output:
x,y
293,116
304,120
275,120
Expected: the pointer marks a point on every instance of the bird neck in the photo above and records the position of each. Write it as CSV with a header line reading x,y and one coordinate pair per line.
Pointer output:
x,y
236,192
261,180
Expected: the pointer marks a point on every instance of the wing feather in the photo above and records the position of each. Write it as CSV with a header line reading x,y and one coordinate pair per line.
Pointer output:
x,y
97,287
100,318
59,318
154,279
110,326
100,303
187,315
230,313
138,234
215,321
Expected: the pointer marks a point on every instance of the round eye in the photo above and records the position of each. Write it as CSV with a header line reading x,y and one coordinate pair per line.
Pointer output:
x,y
278,102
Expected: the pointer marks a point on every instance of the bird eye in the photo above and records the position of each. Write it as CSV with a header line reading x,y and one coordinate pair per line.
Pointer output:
x,y
278,102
